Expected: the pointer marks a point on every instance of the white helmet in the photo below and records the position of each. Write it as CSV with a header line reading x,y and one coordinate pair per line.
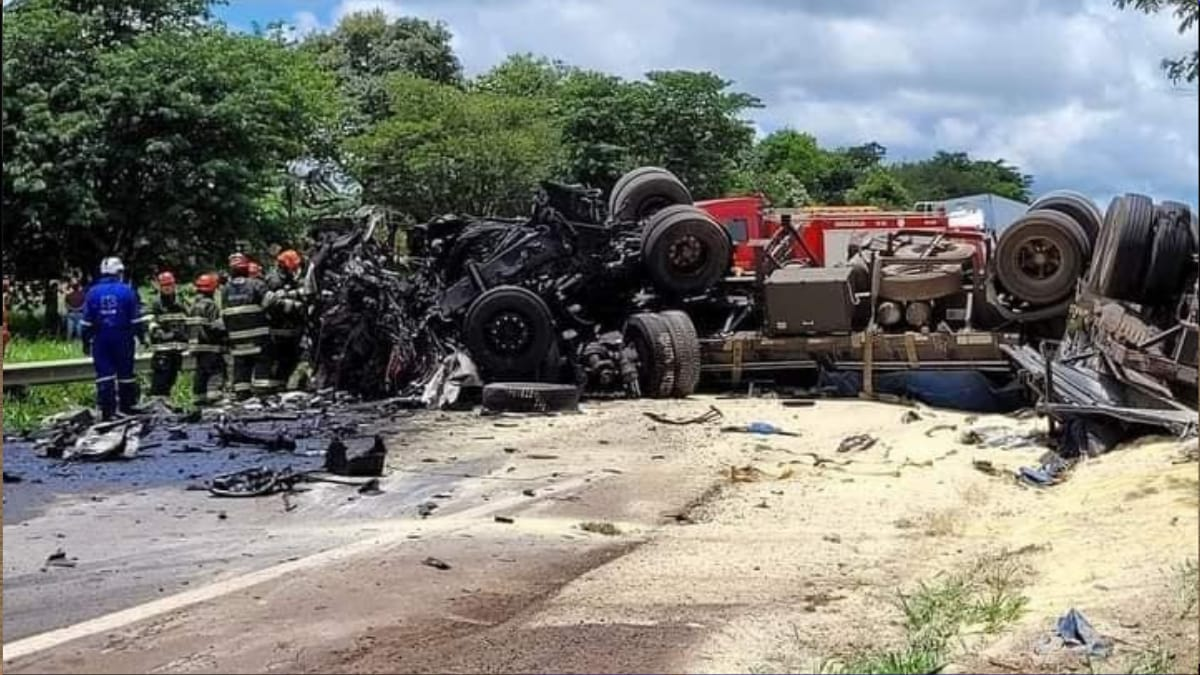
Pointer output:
x,y
112,266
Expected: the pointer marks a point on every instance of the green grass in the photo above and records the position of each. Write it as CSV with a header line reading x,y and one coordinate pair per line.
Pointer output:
x,y
985,598
1187,588
607,529
29,350
1153,661
25,409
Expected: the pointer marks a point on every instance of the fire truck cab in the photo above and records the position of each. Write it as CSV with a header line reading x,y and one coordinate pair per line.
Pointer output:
x,y
825,232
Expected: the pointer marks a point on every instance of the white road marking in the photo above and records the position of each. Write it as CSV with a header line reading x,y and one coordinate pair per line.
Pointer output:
x,y
395,532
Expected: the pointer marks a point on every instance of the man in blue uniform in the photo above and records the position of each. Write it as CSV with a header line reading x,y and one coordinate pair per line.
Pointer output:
x,y
112,321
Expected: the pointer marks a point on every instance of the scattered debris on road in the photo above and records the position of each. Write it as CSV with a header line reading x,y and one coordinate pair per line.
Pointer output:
x,y
857,443
59,559
760,428
435,563
711,415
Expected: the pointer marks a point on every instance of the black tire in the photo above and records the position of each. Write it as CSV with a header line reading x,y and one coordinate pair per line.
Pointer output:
x,y
650,336
508,331
1133,241
1169,255
685,251
687,352
643,192
1099,277
1083,210
1040,256
1188,216
530,397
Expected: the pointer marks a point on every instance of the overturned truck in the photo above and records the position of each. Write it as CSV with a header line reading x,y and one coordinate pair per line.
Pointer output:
x,y
631,295
583,291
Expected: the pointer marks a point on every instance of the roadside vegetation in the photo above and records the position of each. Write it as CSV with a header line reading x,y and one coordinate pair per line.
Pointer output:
x,y
937,617
26,407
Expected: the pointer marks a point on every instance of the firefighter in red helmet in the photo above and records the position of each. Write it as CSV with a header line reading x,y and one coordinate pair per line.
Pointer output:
x,y
168,336
207,342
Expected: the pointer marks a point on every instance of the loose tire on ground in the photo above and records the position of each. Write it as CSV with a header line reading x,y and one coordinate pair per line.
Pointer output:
x,y
643,192
530,397
687,352
650,336
508,331
685,251
1076,205
1040,256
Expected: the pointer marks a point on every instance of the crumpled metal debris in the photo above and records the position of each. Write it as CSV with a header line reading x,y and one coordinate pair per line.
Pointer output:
x,y
711,415
455,385
256,482
857,443
110,440
232,433
350,457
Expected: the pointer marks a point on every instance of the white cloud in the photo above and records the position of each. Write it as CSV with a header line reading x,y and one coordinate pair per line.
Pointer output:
x,y
1069,89
304,23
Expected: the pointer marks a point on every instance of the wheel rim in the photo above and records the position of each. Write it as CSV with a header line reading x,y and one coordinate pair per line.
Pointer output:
x,y
687,255
1039,258
508,333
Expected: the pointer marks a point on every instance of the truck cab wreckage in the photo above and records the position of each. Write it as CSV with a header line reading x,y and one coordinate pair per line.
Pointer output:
x,y
635,295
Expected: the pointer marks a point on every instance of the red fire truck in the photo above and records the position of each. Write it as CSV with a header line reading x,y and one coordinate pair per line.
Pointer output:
x,y
824,233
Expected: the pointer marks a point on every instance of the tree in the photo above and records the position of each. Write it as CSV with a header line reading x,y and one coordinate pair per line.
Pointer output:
x,y
441,149
880,188
525,75
792,151
1183,68
366,48
953,174
194,132
780,188
156,145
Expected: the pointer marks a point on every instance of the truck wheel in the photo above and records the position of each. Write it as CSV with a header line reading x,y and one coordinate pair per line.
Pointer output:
x,y
643,192
650,337
685,251
1099,277
530,397
1133,240
905,285
1188,216
687,352
1040,256
509,331
1083,210
1169,255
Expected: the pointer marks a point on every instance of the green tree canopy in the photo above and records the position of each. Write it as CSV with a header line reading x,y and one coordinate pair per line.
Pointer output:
x,y
366,48
954,174
158,146
441,149
881,188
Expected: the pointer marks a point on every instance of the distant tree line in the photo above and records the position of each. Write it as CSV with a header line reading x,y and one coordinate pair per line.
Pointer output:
x,y
146,129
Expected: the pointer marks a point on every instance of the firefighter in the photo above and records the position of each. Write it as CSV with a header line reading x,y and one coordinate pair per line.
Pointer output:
x,y
112,321
256,270
206,342
286,313
168,337
246,327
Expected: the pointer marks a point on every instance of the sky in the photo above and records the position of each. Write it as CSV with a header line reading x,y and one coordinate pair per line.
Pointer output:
x,y
1068,90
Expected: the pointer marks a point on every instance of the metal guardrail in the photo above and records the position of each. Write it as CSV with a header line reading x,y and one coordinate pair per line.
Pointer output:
x,y
67,370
